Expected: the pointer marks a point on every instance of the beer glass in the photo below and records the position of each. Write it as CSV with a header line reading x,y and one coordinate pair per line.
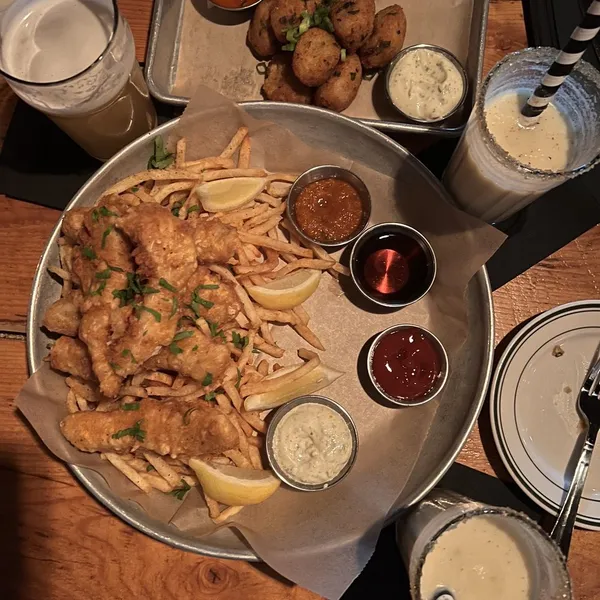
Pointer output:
x,y
74,60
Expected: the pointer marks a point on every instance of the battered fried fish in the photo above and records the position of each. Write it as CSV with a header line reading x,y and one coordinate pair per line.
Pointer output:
x,y
215,242
71,356
168,427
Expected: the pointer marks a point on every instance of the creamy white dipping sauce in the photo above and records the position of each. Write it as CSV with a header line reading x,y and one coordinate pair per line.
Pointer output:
x,y
425,84
478,560
543,146
312,443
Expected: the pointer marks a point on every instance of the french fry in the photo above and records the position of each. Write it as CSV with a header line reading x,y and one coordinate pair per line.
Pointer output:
x,y
255,458
229,173
244,157
143,195
263,367
265,330
158,483
150,175
163,469
213,162
254,421
308,335
267,242
280,316
235,142
270,349
233,395
180,153
186,390
227,514
267,199
72,405
239,460
265,215
224,403
213,507
278,189
304,263
302,315
241,293
266,226
131,474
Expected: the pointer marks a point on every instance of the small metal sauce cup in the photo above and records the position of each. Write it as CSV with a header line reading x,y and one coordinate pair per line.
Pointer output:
x,y
441,381
284,410
397,228
328,172
439,50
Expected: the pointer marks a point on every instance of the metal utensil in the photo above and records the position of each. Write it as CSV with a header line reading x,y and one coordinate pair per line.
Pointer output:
x,y
588,406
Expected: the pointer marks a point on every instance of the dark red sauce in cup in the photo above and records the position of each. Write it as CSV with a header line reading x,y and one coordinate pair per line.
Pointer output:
x,y
406,364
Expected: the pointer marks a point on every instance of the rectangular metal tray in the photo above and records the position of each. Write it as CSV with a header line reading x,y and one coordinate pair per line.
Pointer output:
x,y
163,61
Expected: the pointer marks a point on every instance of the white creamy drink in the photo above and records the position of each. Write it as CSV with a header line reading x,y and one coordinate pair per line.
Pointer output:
x,y
491,189
479,559
97,94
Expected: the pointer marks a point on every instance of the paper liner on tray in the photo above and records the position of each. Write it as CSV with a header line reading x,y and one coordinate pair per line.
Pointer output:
x,y
320,540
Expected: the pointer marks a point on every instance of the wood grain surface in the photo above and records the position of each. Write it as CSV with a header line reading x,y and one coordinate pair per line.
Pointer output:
x,y
57,543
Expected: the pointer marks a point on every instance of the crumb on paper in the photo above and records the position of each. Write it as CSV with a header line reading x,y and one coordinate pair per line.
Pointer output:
x,y
557,351
567,390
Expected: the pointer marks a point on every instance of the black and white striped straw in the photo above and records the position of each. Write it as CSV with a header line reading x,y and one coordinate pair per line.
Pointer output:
x,y
565,63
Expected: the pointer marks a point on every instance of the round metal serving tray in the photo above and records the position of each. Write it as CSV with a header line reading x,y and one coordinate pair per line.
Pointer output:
x,y
457,411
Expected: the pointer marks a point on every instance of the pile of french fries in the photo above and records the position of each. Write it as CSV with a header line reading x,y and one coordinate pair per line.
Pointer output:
x,y
269,250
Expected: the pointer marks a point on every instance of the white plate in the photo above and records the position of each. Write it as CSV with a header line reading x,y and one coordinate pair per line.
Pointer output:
x,y
533,406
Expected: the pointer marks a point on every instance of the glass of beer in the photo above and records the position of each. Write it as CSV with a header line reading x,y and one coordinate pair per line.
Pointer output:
x,y
500,166
458,549
74,60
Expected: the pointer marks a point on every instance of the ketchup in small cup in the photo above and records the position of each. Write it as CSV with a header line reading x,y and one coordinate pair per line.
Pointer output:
x,y
408,365
393,265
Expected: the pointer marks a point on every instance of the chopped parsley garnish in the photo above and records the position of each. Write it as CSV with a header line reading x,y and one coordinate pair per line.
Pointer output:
x,y
238,340
135,432
105,234
203,302
88,252
135,188
195,348
103,274
174,348
164,283
134,286
115,269
197,301
127,352
150,468
207,286
353,76
176,208
255,351
98,291
140,307
161,159
175,307
180,492
239,379
131,406
214,329
114,366
210,396
182,335
208,379
186,415
193,208
102,212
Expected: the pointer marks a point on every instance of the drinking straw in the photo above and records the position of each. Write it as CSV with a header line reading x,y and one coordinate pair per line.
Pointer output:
x,y
566,61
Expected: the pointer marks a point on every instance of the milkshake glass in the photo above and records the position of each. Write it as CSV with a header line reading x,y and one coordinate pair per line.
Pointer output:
x,y
489,183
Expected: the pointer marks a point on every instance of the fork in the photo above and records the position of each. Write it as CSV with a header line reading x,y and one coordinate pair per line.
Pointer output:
x,y
588,406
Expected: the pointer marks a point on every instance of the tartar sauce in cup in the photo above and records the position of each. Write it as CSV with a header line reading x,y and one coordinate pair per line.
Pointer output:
x,y
426,83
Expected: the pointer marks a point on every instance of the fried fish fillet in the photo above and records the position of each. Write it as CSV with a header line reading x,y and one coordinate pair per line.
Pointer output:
x,y
194,356
63,316
169,427
71,356
215,241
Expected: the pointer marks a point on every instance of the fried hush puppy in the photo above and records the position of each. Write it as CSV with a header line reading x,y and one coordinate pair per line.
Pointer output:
x,y
287,14
281,85
339,91
315,58
353,22
389,31
261,37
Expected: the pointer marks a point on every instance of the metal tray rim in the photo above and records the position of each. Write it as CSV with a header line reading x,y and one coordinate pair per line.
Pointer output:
x,y
392,126
481,278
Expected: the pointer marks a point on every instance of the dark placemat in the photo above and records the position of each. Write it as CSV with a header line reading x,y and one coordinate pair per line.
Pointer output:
x,y
385,577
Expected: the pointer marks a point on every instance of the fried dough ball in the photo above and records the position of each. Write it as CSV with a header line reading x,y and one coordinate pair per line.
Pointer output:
x,y
282,85
338,92
287,14
353,22
261,38
389,31
315,57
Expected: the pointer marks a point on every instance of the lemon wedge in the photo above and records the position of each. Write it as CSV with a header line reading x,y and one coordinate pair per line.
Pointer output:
x,y
315,380
287,292
224,195
233,485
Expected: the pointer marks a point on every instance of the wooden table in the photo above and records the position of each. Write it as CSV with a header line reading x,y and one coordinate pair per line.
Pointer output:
x,y
57,543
